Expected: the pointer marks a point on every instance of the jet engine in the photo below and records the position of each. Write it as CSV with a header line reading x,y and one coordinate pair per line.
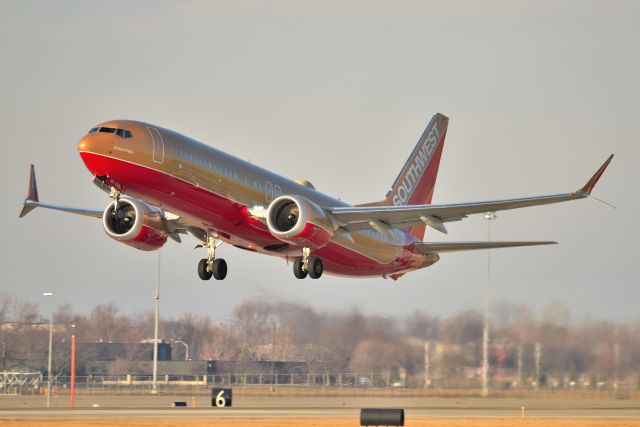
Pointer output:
x,y
298,221
135,223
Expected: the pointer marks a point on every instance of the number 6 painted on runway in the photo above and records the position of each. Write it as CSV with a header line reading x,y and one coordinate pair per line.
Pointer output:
x,y
220,400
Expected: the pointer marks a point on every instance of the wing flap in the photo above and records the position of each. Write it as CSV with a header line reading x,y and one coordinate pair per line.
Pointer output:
x,y
441,247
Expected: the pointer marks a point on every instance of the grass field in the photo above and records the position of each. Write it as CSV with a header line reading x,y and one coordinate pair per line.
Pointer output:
x,y
340,422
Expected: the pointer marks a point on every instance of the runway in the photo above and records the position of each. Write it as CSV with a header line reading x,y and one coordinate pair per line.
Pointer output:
x,y
159,407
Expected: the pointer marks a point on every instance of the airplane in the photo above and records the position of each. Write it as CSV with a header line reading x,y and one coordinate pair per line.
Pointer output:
x,y
163,185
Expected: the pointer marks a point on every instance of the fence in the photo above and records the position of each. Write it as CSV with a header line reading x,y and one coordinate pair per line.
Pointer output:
x,y
16,382
313,384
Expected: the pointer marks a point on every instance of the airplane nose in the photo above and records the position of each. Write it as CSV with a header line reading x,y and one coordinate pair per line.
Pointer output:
x,y
83,145
93,143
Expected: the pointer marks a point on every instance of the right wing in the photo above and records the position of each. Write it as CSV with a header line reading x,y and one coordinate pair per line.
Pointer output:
x,y
175,225
32,201
377,217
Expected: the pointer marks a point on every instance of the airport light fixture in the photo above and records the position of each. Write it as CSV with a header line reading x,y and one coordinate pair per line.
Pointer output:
x,y
49,294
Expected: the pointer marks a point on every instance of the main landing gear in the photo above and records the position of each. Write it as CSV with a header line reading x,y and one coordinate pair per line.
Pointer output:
x,y
210,266
307,265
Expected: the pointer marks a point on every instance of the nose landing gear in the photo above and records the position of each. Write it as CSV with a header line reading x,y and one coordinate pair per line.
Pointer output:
x,y
307,265
210,266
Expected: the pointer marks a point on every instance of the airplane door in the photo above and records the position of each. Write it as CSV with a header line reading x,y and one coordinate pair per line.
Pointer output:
x,y
158,144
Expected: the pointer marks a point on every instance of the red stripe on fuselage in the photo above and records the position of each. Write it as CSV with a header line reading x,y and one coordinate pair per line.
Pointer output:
x,y
213,212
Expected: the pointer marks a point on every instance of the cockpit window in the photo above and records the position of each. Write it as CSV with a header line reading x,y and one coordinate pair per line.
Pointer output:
x,y
122,133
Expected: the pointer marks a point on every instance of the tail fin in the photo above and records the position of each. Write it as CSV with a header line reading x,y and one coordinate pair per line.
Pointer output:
x,y
417,179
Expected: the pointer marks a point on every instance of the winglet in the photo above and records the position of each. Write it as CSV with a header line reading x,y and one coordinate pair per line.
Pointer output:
x,y
31,202
588,187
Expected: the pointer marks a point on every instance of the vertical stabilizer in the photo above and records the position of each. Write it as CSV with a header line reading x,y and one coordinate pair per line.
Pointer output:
x,y
417,179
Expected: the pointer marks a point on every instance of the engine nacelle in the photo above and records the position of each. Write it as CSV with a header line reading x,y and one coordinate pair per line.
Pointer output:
x,y
135,223
297,220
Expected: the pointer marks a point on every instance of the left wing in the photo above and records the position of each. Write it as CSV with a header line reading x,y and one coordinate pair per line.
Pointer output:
x,y
358,218
441,247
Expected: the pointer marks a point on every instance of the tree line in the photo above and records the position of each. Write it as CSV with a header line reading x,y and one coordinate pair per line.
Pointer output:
x,y
346,341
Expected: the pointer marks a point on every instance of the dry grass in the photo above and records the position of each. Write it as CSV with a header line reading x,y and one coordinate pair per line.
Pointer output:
x,y
340,422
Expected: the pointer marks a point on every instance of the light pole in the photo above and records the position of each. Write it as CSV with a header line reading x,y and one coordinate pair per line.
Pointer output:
x,y
72,394
538,355
520,364
273,357
427,363
489,216
186,348
154,386
4,366
49,294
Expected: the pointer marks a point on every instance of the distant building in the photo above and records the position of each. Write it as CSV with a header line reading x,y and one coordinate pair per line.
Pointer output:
x,y
136,359
109,351
223,367
171,368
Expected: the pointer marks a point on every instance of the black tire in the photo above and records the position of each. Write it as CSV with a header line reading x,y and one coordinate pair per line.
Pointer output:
x,y
315,268
219,269
297,268
202,270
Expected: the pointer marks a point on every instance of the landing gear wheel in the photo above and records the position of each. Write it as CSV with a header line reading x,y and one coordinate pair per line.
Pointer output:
x,y
219,269
298,271
202,270
315,268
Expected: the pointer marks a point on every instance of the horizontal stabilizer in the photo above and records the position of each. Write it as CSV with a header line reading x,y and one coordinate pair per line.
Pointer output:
x,y
440,247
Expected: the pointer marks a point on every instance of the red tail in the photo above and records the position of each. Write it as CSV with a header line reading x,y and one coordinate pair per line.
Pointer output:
x,y
417,179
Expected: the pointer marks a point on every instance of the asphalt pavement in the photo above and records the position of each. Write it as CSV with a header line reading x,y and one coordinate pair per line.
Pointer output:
x,y
33,407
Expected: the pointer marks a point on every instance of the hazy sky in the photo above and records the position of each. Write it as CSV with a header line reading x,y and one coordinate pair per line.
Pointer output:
x,y
538,93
